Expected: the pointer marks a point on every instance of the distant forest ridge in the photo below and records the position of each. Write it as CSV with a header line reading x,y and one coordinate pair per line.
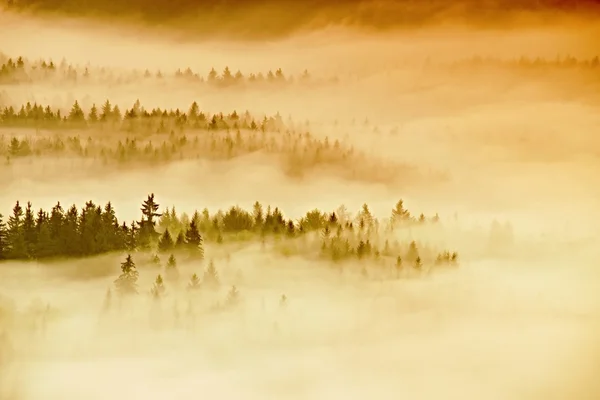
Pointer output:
x,y
263,18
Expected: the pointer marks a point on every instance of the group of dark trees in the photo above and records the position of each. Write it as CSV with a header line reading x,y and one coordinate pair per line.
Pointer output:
x,y
110,116
94,230
21,70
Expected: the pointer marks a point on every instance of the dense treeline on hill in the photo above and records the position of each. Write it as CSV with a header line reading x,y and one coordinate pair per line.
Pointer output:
x,y
93,230
19,70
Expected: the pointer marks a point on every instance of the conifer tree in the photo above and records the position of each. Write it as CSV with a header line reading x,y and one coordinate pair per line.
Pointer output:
x,y
3,239
45,246
16,234
194,283
126,284
106,113
194,239
93,115
158,288
147,225
211,277
76,114
165,244
172,272
29,231
180,243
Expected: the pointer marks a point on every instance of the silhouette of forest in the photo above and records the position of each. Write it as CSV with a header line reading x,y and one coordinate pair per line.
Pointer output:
x,y
155,137
69,232
14,70
19,70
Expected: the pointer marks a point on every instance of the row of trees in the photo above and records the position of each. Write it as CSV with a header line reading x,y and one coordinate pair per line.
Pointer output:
x,y
95,230
154,120
75,233
20,70
566,62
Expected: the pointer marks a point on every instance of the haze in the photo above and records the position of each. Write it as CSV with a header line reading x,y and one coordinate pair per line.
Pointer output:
x,y
487,129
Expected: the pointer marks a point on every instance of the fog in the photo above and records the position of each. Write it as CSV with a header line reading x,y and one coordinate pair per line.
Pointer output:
x,y
457,121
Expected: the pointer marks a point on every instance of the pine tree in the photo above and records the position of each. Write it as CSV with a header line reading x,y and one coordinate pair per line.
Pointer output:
x,y
172,272
158,288
413,252
194,239
76,114
3,239
180,244
126,284
147,225
16,237
45,246
106,113
93,115
29,231
194,283
165,244
211,277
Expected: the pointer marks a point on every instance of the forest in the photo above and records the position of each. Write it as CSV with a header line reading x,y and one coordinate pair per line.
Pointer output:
x,y
70,232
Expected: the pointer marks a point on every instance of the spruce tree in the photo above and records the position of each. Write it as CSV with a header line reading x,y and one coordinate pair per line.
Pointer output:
x,y
180,243
126,284
16,234
165,244
158,288
171,269
3,239
194,239
29,231
211,277
147,232
194,283
45,246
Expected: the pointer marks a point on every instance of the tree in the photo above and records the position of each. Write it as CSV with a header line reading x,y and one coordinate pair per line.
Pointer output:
x,y
93,115
194,283
3,239
16,234
211,277
147,231
165,244
106,113
180,243
126,284
194,239
29,231
399,213
171,268
158,288
76,114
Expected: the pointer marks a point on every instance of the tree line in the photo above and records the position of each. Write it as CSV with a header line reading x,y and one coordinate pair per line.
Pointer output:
x,y
109,115
22,70
95,230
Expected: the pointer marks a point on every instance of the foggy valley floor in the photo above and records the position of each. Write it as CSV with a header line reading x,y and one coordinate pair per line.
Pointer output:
x,y
331,214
